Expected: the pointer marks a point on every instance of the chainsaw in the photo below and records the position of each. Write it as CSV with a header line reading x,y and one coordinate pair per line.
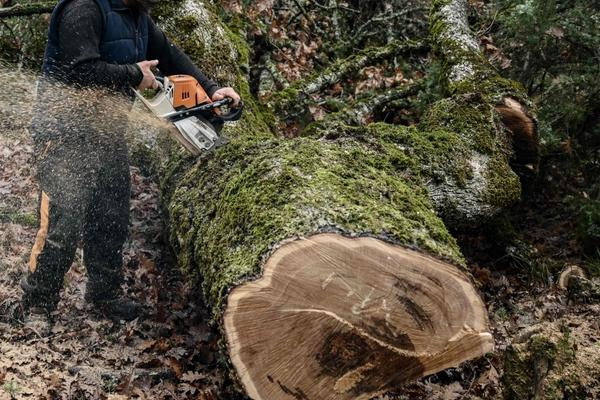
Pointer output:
x,y
182,101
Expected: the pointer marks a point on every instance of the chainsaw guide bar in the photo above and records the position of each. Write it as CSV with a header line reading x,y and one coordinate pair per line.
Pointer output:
x,y
197,120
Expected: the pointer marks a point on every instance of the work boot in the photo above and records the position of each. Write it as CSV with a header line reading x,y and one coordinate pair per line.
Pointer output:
x,y
119,308
37,320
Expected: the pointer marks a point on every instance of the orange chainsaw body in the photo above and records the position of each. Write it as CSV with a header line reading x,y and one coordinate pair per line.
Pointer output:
x,y
187,92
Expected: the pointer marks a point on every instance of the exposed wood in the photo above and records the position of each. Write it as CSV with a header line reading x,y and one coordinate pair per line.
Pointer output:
x,y
569,273
340,318
524,131
21,10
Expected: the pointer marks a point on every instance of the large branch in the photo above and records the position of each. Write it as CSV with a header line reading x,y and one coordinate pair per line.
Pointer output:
x,y
355,63
21,10
468,71
361,110
293,101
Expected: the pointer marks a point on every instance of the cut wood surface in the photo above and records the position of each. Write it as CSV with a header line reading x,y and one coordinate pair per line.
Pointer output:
x,y
348,318
523,129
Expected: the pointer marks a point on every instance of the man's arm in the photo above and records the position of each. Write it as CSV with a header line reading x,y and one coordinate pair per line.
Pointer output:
x,y
79,34
172,61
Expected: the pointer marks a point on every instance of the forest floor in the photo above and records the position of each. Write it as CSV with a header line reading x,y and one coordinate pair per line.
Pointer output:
x,y
173,353
170,355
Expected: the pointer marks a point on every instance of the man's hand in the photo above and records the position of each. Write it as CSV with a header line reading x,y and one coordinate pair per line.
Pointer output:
x,y
148,81
226,92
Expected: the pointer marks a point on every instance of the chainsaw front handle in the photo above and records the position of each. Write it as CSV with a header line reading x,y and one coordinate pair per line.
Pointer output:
x,y
234,115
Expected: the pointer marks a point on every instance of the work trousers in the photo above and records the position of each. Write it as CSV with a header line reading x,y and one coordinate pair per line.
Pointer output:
x,y
84,196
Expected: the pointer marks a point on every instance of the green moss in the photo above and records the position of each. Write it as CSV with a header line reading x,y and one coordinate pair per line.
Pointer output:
x,y
440,147
472,119
459,149
517,377
229,211
408,152
546,367
17,217
503,185
476,122
484,80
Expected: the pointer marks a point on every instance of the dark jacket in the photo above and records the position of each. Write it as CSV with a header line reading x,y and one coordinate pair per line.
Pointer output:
x,y
99,42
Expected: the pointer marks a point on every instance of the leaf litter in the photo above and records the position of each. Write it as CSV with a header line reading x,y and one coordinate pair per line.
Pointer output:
x,y
170,355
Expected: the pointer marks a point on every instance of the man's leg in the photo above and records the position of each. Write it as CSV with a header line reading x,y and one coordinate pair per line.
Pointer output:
x,y
61,199
105,232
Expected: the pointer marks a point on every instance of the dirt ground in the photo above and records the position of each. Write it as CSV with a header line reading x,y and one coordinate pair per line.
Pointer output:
x,y
173,354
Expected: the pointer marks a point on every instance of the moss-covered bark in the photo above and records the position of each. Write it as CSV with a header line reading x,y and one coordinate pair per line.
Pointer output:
x,y
219,51
460,152
466,68
550,362
230,210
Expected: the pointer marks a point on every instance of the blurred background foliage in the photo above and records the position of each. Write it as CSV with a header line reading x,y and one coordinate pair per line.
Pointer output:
x,y
23,39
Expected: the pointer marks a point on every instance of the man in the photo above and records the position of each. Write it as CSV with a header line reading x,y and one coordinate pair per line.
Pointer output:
x,y
97,50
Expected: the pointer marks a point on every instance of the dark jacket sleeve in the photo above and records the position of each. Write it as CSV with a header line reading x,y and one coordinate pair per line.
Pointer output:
x,y
79,34
171,60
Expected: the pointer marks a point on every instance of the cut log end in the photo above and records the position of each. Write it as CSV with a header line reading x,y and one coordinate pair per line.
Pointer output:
x,y
340,318
524,132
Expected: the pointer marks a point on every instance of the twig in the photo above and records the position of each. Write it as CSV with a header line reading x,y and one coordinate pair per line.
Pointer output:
x,y
22,10
359,111
383,18
280,81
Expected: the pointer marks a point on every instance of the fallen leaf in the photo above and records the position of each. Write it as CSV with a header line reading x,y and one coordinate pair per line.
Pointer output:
x,y
193,377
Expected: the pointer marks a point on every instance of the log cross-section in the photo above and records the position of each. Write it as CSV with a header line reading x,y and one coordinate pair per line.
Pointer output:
x,y
349,318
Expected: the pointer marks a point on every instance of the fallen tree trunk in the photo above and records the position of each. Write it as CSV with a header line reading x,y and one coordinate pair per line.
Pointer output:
x,y
330,276
327,268
305,252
